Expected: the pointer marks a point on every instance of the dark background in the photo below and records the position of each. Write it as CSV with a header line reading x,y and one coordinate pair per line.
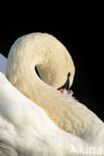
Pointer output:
x,y
83,41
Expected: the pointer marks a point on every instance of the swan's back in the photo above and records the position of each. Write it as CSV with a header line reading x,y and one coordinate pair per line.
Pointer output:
x,y
26,130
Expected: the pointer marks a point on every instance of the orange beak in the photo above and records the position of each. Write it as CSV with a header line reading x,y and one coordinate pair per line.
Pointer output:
x,y
62,90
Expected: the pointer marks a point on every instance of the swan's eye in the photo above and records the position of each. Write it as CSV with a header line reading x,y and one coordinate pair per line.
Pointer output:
x,y
37,72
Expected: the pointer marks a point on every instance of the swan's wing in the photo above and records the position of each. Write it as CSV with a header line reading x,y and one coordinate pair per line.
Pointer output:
x,y
25,128
23,125
2,63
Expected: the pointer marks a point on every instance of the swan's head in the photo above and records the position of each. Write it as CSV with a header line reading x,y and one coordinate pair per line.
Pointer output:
x,y
43,56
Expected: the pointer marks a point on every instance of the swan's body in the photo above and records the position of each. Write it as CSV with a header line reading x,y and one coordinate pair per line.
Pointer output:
x,y
26,122
25,129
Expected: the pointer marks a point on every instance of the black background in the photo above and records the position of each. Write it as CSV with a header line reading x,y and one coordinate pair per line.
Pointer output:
x,y
82,37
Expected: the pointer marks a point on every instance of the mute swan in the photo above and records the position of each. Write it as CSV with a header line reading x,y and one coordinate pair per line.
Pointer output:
x,y
84,128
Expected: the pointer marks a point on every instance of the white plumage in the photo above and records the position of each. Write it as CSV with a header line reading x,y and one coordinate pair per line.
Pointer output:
x,y
25,128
